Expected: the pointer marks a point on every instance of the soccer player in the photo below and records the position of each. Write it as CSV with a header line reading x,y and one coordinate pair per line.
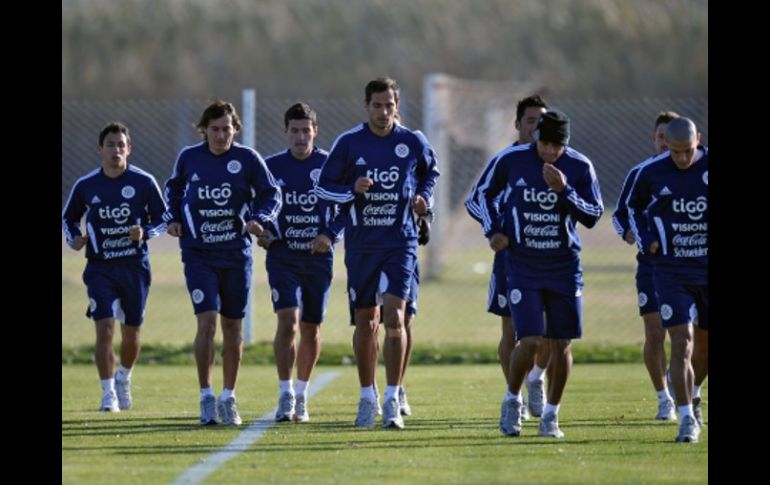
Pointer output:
x,y
123,208
299,259
528,112
549,188
668,213
219,192
654,333
383,173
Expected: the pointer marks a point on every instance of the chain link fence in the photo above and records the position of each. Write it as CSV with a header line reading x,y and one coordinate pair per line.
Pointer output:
x,y
478,121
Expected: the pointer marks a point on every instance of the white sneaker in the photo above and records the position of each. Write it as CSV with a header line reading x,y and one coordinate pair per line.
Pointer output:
x,y
228,411
109,403
367,413
391,414
549,426
406,409
208,410
285,409
123,390
300,409
666,410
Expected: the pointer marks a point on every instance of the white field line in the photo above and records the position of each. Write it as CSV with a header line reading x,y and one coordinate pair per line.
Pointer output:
x,y
243,441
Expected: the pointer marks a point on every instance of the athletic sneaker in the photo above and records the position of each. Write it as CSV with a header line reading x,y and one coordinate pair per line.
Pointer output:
x,y
377,394
300,409
391,414
549,426
367,413
406,410
697,411
285,410
536,392
510,417
666,410
688,430
123,390
228,411
209,410
109,403
524,409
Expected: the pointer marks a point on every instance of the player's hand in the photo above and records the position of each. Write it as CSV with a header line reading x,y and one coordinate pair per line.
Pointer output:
x,y
498,242
419,205
174,229
254,227
321,244
78,242
136,232
554,177
362,185
630,239
265,239
654,247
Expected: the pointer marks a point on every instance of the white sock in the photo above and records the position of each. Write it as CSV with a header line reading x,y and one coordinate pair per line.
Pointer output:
x,y
696,391
367,392
226,394
685,410
125,371
535,374
391,392
300,389
108,385
663,395
285,386
509,395
551,409
206,391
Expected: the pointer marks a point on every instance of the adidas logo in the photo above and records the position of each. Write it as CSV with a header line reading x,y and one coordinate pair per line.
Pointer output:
x,y
96,200
360,161
665,191
521,183
280,183
194,178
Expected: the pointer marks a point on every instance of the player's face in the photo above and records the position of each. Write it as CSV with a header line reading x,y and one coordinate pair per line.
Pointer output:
x,y
382,109
683,152
220,134
549,151
659,138
301,135
528,123
115,150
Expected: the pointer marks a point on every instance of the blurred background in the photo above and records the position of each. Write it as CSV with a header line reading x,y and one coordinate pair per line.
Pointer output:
x,y
462,65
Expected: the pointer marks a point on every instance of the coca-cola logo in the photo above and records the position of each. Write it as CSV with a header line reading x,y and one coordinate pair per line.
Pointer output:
x,y
698,239
380,210
304,232
545,231
221,226
122,242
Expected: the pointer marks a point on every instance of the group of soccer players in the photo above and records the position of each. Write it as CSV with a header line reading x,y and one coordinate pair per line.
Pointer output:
x,y
376,184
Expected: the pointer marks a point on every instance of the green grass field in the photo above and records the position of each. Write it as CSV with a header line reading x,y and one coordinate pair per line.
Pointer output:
x,y
452,437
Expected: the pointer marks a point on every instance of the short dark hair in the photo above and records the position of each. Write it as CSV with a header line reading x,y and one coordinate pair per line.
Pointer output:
x,y
113,127
379,85
665,117
218,109
300,111
534,101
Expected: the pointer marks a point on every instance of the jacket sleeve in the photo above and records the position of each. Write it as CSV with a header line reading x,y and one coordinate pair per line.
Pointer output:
x,y
174,191
154,225
72,213
334,182
268,201
584,200
638,200
620,216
